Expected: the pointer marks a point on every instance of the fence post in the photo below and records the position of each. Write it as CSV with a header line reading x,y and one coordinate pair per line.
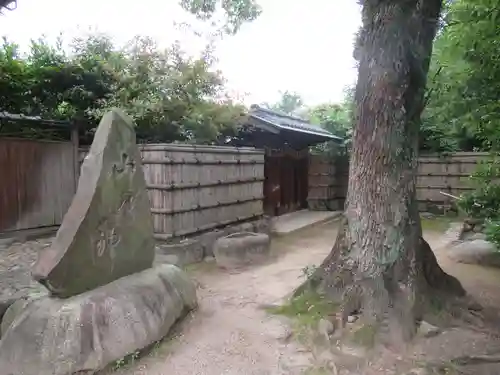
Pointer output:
x,y
75,143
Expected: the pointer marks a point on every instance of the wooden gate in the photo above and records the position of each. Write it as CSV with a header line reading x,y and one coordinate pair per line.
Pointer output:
x,y
286,181
37,184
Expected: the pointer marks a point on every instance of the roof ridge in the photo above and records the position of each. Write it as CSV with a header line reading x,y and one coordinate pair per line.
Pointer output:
x,y
281,114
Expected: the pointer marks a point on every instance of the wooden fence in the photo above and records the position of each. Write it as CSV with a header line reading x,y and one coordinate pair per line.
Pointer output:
x,y
198,188
436,173
327,182
445,173
37,183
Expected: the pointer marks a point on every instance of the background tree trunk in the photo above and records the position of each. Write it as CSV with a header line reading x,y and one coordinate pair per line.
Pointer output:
x,y
377,262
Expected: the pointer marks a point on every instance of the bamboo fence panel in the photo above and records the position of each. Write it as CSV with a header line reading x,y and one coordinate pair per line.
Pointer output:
x,y
436,173
197,188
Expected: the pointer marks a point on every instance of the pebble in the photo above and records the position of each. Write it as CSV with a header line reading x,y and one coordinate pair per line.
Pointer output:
x,y
428,330
352,318
325,327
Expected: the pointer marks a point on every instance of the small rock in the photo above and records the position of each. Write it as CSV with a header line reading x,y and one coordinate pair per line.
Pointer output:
x,y
467,227
167,259
478,228
473,221
474,236
209,259
418,371
352,318
325,327
428,330
241,249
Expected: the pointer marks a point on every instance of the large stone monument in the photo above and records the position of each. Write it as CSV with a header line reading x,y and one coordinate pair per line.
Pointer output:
x,y
107,232
106,300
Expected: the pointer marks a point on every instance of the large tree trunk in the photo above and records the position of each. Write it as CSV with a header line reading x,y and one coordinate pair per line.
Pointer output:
x,y
380,264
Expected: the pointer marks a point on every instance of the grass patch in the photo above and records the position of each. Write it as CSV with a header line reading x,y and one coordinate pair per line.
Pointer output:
x,y
307,309
201,267
365,336
317,371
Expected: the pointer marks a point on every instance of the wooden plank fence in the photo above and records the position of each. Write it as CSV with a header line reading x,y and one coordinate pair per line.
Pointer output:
x,y
436,173
195,188
445,173
327,182
37,184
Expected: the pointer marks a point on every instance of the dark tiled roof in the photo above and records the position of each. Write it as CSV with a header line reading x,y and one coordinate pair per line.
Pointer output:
x,y
36,119
287,122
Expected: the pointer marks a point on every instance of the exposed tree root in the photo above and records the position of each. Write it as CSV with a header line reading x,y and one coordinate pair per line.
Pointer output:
x,y
464,365
476,360
396,301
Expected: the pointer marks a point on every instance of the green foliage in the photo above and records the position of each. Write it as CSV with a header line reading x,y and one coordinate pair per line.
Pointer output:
x,y
336,118
484,201
492,231
309,270
170,96
236,12
290,103
463,112
307,308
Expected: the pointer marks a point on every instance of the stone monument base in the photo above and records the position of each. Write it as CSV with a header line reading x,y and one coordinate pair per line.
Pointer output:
x,y
85,333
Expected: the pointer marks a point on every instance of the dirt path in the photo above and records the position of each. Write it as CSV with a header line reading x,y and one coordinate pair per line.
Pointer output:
x,y
232,334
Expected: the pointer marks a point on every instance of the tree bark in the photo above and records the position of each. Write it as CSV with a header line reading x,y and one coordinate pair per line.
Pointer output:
x,y
380,264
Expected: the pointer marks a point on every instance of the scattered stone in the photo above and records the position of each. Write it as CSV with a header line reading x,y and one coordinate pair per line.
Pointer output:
x,y
418,371
478,228
207,241
107,232
467,227
352,318
167,259
247,227
325,328
473,221
427,215
84,333
181,253
241,249
471,236
427,330
263,225
475,252
209,259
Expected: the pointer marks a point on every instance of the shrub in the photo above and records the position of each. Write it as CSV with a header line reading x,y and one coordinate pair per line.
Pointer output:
x,y
484,201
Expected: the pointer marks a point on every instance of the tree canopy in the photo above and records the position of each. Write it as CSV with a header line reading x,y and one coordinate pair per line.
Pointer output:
x,y
462,112
171,96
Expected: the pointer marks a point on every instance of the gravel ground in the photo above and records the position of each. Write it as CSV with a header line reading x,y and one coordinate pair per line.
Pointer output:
x,y
16,259
230,333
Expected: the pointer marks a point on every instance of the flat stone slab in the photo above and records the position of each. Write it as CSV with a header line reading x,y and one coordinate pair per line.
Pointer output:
x,y
85,333
294,221
107,232
241,249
